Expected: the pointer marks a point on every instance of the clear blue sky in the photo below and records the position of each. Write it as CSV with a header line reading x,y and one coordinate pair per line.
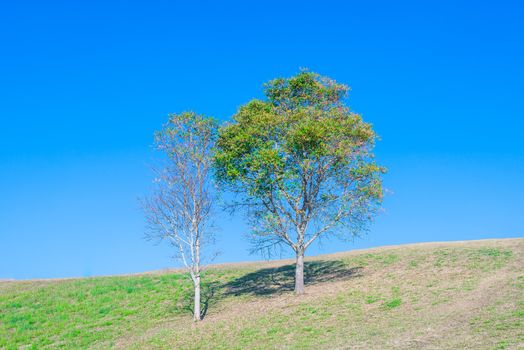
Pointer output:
x,y
83,85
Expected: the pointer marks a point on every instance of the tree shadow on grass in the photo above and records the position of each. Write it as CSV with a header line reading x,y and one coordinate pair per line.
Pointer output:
x,y
208,297
281,279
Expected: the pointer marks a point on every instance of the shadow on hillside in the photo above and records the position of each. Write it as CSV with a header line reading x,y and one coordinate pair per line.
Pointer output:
x,y
282,279
208,298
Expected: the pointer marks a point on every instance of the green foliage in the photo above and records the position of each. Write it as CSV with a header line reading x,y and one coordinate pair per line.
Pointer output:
x,y
187,135
302,146
303,121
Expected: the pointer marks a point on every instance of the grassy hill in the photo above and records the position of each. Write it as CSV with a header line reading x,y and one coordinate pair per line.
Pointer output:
x,y
423,296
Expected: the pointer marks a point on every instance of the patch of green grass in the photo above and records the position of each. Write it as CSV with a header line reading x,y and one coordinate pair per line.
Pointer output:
x,y
493,252
488,259
468,285
370,299
393,303
501,345
520,282
503,320
87,311
447,257
372,259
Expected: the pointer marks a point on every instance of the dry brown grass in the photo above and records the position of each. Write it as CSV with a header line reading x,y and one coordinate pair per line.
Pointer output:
x,y
459,295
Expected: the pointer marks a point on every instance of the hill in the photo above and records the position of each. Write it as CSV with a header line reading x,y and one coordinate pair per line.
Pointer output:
x,y
424,296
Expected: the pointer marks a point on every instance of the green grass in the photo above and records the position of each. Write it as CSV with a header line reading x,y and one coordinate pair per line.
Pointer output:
x,y
470,294
81,312
393,303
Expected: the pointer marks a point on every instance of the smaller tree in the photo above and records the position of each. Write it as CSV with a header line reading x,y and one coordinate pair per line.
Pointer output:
x,y
179,210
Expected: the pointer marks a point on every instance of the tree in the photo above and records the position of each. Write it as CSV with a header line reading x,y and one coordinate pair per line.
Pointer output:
x,y
180,208
301,165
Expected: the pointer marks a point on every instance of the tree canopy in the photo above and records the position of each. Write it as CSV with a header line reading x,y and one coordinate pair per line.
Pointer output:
x,y
301,162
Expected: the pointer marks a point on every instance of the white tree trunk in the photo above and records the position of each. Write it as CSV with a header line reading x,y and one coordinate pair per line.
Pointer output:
x,y
197,314
299,273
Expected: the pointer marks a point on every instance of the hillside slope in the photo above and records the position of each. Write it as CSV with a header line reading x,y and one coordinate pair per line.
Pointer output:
x,y
423,296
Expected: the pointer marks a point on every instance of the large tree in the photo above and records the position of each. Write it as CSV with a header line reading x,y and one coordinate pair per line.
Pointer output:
x,y
301,164
180,208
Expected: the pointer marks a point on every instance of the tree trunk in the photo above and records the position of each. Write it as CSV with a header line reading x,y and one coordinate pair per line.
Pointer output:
x,y
299,274
197,315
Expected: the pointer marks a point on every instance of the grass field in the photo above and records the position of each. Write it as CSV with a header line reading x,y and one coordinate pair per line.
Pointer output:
x,y
463,295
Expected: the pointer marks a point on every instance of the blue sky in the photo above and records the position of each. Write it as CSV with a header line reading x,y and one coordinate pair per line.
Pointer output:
x,y
83,86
